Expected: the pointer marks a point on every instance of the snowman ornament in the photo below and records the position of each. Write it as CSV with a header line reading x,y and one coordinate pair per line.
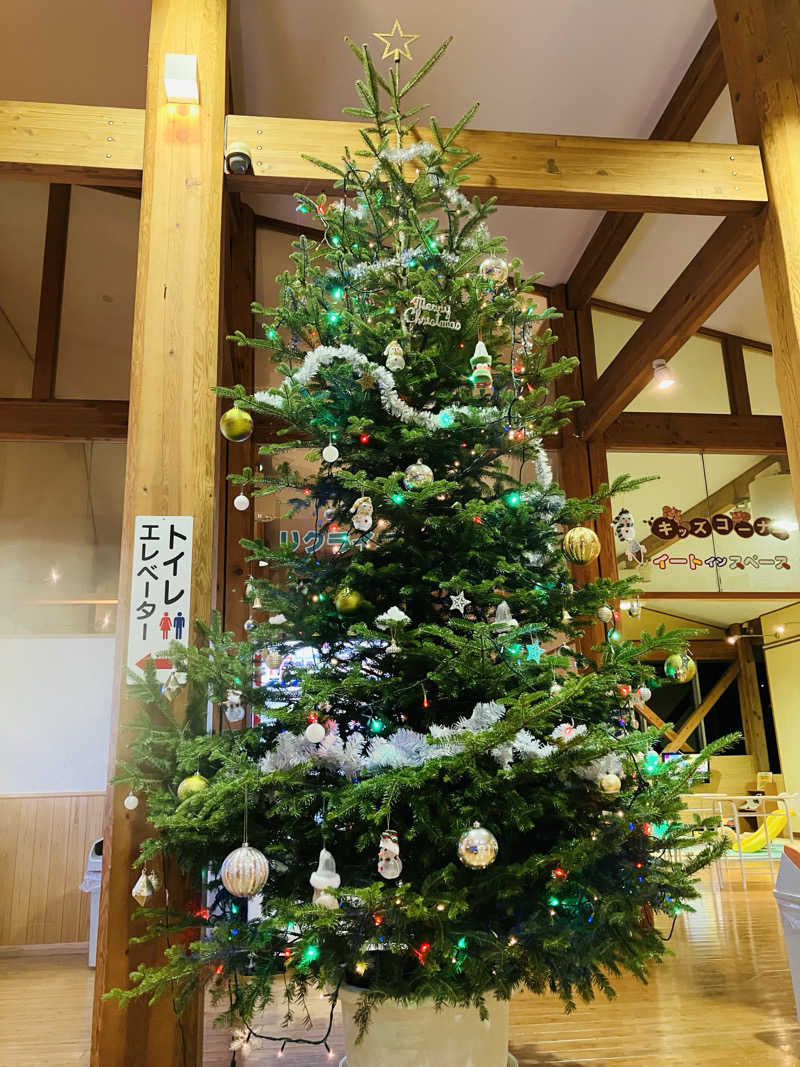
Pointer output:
x,y
389,863
362,513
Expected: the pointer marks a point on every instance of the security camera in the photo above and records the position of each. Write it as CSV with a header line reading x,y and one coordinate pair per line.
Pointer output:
x,y
238,158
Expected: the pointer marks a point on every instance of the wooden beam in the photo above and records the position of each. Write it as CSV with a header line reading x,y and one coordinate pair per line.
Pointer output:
x,y
694,97
656,720
736,376
170,468
655,431
527,169
51,293
722,500
63,420
63,142
755,738
239,267
702,331
700,712
728,256
72,143
761,46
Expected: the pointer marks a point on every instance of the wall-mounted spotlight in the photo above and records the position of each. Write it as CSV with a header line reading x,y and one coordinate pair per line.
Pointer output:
x,y
662,375
180,78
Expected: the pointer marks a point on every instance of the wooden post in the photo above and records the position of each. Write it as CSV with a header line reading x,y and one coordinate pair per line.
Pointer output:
x,y
172,438
755,740
51,294
239,255
583,466
761,48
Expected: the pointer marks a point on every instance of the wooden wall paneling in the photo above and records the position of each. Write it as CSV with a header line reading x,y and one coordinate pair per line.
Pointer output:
x,y
44,840
728,256
170,470
761,47
51,293
692,100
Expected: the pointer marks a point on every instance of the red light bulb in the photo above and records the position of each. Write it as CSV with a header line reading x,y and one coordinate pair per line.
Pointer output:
x,y
364,438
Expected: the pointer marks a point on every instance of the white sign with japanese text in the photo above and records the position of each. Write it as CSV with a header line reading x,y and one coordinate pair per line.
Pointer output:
x,y
161,581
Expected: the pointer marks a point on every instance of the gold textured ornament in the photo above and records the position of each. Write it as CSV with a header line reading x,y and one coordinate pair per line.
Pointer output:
x,y
477,847
144,889
680,668
195,783
581,545
236,424
347,601
274,660
244,871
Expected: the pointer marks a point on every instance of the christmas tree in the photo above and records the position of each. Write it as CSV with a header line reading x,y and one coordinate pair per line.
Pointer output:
x,y
443,799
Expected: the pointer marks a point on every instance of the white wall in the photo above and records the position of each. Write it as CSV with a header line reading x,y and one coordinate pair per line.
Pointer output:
x,y
55,710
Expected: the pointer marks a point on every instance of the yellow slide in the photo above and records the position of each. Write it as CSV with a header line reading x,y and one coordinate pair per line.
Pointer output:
x,y
756,840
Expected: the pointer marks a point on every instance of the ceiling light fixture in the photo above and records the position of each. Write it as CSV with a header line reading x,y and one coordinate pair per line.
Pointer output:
x,y
662,375
180,78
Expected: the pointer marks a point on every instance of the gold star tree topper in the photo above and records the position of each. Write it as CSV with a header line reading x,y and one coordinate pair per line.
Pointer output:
x,y
395,43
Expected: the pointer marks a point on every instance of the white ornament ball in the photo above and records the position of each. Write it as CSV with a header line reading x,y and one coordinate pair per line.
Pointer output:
x,y
604,613
315,732
330,453
244,871
555,689
241,502
417,474
324,899
643,694
131,801
610,783
477,847
494,269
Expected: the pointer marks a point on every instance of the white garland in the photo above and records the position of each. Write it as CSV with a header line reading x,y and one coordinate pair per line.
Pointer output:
x,y
404,155
391,401
408,748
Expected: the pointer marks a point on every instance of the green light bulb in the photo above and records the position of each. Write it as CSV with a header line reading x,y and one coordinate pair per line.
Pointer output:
x,y
398,498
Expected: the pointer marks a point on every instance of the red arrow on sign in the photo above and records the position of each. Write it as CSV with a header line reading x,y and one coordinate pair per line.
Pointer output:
x,y
160,663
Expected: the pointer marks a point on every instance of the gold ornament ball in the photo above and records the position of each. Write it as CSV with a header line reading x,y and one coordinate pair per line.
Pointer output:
x,y
581,545
274,660
347,601
477,847
195,783
610,783
244,871
236,424
680,668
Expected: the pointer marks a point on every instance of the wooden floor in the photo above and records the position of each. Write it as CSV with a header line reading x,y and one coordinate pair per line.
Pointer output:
x,y
724,999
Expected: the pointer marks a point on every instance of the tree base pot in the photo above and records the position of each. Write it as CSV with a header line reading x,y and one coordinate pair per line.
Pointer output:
x,y
419,1035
